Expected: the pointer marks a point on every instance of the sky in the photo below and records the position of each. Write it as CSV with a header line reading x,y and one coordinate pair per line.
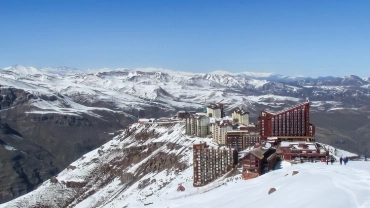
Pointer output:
x,y
311,38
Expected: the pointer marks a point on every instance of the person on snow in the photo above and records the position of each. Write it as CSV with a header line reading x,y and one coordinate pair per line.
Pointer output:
x,y
327,160
341,160
345,160
332,160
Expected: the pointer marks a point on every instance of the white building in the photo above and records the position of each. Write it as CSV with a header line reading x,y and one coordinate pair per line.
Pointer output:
x,y
197,125
241,116
214,110
219,130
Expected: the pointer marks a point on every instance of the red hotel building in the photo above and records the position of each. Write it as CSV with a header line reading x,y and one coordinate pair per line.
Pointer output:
x,y
210,163
291,124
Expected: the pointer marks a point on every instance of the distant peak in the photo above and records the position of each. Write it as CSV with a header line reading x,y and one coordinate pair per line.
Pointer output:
x,y
246,74
26,70
221,72
21,69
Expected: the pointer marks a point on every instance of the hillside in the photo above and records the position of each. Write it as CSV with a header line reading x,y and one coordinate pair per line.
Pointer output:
x,y
144,155
143,166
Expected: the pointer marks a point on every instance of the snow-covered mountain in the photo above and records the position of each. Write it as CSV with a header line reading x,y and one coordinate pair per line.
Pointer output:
x,y
143,166
128,89
51,116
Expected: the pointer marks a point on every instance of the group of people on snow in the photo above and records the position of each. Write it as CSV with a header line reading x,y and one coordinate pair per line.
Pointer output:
x,y
341,160
344,160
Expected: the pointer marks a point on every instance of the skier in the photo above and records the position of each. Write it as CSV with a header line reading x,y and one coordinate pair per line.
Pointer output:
x,y
327,160
340,160
332,160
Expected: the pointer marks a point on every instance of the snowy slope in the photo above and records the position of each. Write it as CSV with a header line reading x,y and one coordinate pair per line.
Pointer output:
x,y
143,166
316,185
158,155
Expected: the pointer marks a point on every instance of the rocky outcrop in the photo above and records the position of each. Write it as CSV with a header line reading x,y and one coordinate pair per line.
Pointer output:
x,y
71,167
53,179
10,97
74,184
272,190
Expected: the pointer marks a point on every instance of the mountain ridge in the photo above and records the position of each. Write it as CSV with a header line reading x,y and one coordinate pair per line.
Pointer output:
x,y
45,107
247,74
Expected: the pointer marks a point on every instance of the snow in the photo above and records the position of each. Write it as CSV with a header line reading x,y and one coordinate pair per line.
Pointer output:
x,y
248,74
285,164
137,88
331,185
337,153
287,144
316,185
334,109
20,69
258,83
268,145
273,97
8,147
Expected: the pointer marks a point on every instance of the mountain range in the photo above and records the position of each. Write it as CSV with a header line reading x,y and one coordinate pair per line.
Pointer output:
x,y
50,117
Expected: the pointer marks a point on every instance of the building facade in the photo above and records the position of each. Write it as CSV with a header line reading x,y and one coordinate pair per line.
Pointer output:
x,y
241,139
216,110
258,161
301,150
219,131
184,114
292,124
240,116
210,163
197,125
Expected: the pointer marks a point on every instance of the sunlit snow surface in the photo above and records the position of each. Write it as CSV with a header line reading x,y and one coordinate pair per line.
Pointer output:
x,y
315,185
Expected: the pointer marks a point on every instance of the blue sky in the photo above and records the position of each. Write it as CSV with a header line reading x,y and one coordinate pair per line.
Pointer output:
x,y
314,38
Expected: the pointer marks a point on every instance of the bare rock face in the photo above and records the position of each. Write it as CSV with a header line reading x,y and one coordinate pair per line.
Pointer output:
x,y
53,179
272,190
71,167
294,172
75,184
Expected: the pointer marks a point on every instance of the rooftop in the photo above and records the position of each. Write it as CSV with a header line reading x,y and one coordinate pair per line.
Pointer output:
x,y
258,152
240,111
213,106
299,145
288,109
